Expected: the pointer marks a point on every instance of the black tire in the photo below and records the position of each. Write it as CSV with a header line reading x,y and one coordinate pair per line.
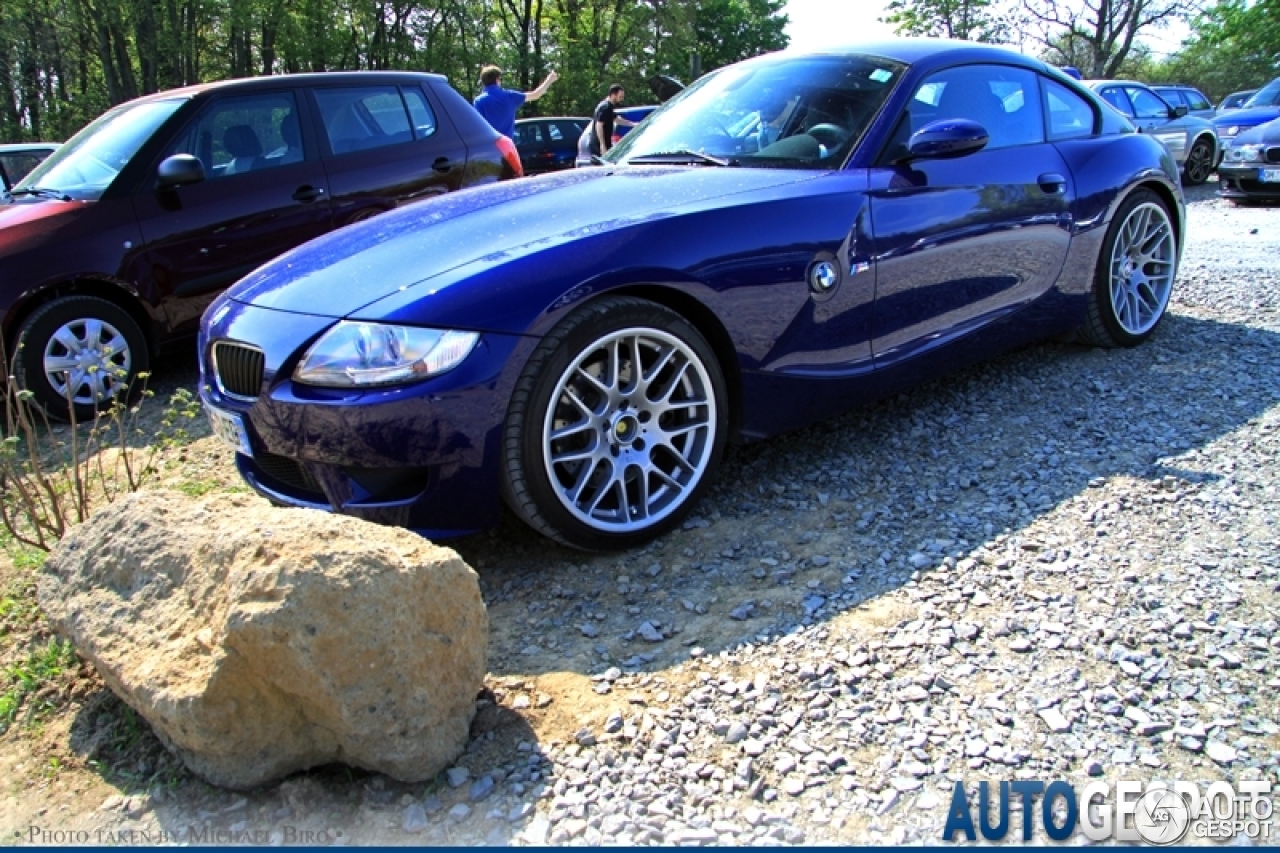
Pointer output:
x,y
1134,277
1199,164
636,465
117,350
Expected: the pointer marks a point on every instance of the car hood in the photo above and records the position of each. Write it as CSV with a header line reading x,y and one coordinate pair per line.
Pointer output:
x,y
1253,115
27,222
342,272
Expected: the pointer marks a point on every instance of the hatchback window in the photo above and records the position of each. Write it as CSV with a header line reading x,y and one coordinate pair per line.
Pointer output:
x,y
1197,100
88,162
358,119
233,136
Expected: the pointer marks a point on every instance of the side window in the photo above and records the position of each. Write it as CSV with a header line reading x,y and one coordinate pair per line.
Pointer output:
x,y
1118,99
1004,100
420,112
235,135
1070,116
1197,100
1148,104
553,132
365,117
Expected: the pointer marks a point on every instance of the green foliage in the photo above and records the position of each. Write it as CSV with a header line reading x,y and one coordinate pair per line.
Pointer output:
x,y
54,477
24,680
62,62
975,20
1235,45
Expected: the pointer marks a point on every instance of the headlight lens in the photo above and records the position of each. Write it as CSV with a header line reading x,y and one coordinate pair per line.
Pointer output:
x,y
1245,153
1230,130
359,355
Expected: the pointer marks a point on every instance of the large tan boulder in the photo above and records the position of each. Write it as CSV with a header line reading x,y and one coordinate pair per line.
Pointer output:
x,y
259,641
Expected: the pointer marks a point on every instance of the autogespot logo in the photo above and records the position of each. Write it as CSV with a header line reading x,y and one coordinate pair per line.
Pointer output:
x,y
1154,812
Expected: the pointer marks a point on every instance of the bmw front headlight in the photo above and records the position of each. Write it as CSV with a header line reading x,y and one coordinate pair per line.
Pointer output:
x,y
359,355
1244,153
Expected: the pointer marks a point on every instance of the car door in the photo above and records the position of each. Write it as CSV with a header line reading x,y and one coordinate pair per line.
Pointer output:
x,y
261,196
386,145
962,242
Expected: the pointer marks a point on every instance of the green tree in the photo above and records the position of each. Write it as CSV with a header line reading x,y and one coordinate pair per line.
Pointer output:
x,y
1096,36
975,20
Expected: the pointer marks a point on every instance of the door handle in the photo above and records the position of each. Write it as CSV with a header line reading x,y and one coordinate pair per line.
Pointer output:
x,y
307,193
1052,183
443,164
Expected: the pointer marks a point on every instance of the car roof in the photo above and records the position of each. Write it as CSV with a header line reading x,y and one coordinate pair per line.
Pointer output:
x,y
9,147
1096,83
272,81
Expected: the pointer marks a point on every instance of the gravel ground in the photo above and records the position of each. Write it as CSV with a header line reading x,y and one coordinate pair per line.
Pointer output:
x,y
1058,565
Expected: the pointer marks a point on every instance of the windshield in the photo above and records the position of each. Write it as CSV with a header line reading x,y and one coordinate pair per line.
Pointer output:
x,y
800,112
88,162
1267,96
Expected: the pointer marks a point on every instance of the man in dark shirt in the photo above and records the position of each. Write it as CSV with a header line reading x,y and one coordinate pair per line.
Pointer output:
x,y
605,117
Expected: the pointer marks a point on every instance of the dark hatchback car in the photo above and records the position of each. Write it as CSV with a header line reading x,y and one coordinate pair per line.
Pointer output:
x,y
914,205
17,159
115,245
1250,171
548,144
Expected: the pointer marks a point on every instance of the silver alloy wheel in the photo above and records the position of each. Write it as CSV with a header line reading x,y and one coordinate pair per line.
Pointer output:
x,y
87,361
1143,265
630,430
1199,163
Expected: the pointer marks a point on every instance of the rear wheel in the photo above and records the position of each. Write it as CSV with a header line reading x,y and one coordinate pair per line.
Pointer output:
x,y
1135,274
79,354
1199,164
616,426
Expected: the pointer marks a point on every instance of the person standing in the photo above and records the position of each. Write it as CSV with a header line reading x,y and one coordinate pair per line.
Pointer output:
x,y
605,117
499,105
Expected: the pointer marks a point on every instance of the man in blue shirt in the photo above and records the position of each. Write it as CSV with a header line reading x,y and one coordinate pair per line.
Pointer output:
x,y
499,105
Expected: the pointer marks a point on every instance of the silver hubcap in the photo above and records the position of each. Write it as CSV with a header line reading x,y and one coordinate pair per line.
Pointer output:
x,y
630,430
1143,264
87,361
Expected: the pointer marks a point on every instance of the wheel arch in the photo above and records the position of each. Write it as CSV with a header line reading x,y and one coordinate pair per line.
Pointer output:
x,y
110,291
1171,202
709,326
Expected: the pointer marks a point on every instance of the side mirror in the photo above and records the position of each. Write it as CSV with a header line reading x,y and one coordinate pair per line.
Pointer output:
x,y
1179,111
178,170
953,137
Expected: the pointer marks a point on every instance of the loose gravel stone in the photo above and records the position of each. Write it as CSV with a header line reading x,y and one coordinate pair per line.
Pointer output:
x,y
1057,565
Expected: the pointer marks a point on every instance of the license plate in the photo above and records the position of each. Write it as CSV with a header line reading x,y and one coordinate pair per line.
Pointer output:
x,y
1269,176
229,427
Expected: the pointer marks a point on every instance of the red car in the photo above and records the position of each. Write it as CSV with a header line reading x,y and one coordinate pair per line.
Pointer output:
x,y
116,243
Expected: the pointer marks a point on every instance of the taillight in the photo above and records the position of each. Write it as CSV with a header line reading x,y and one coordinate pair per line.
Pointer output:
x,y
511,156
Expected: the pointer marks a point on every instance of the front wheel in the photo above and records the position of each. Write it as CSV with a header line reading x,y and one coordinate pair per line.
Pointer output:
x,y
1134,277
78,355
616,426
1199,164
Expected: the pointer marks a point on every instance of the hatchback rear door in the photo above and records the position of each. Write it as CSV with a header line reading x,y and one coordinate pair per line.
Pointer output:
x,y
386,145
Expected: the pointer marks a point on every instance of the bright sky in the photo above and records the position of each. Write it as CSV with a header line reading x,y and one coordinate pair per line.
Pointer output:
x,y
817,23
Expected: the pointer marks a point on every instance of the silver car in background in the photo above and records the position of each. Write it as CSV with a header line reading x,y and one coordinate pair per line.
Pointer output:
x,y
1191,140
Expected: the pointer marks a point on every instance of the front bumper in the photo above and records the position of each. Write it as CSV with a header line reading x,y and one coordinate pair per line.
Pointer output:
x,y
1243,181
423,456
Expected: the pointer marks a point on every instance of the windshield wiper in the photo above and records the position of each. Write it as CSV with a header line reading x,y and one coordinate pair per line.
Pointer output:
x,y
43,192
682,156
